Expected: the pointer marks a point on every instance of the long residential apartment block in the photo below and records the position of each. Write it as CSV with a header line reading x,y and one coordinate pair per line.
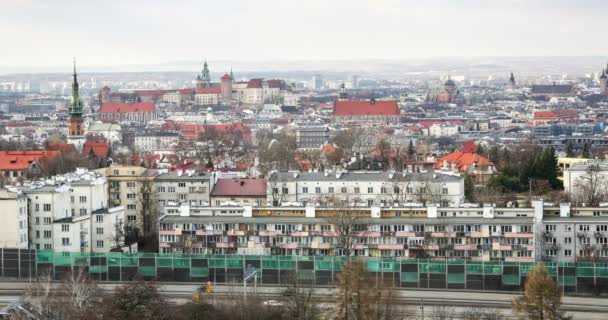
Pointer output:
x,y
542,232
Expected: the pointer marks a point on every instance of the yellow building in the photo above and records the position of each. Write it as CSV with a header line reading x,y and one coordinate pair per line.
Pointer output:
x,y
565,162
131,187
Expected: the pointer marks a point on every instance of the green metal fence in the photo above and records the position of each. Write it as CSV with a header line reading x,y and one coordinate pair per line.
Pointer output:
x,y
577,278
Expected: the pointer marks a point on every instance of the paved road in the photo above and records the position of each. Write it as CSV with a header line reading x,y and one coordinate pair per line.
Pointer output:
x,y
588,308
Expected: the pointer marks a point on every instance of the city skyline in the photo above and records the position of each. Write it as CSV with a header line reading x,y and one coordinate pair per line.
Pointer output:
x,y
286,31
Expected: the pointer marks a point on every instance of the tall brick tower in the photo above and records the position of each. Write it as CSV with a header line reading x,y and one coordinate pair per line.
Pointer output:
x,y
104,94
75,128
226,87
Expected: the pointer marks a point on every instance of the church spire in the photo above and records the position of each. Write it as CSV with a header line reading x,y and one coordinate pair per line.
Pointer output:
x,y
342,94
205,74
76,103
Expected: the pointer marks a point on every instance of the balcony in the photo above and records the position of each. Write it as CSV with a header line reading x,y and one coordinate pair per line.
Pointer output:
x,y
300,234
465,247
598,234
443,234
115,202
292,245
268,233
501,247
390,246
166,232
259,245
405,234
225,245
482,234
369,234
209,233
528,235
235,233
519,259
114,190
317,245
446,246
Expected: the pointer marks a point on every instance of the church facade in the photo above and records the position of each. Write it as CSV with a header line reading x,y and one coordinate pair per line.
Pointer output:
x,y
448,94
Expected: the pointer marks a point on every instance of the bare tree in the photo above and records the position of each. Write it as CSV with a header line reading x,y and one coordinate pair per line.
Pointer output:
x,y
358,298
74,298
482,314
124,235
348,227
148,208
443,313
591,188
300,304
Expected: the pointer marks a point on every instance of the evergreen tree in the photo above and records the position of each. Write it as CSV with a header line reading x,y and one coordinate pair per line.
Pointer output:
x,y
411,151
481,150
586,151
494,154
469,188
569,149
550,167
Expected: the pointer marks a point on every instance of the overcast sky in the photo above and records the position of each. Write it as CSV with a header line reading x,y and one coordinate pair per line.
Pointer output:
x,y
51,32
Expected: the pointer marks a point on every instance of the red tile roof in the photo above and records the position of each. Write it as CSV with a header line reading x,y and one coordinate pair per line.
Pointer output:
x,y
276,83
469,147
212,90
250,187
365,107
464,159
100,149
226,77
254,84
187,91
22,160
120,107
557,114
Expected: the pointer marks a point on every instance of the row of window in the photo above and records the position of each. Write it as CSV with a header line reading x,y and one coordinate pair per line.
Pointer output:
x,y
356,190
581,227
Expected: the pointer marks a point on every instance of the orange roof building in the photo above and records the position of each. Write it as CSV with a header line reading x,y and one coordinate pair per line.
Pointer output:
x,y
378,111
467,161
141,112
15,164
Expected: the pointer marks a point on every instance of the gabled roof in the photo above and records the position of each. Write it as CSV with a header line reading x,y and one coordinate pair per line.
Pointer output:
x,y
250,187
254,84
22,160
100,149
366,107
464,159
276,83
120,107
